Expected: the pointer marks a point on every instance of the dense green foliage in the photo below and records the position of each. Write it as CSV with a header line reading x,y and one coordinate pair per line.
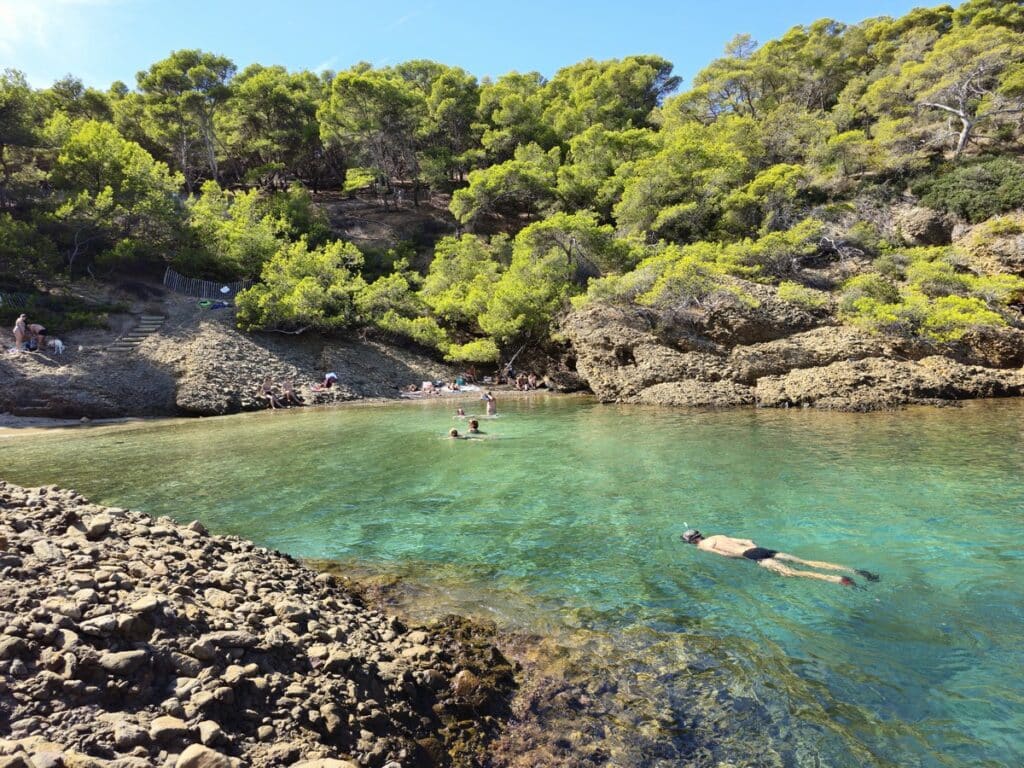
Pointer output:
x,y
603,183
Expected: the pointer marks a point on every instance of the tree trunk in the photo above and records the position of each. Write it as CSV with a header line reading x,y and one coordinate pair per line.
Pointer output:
x,y
965,136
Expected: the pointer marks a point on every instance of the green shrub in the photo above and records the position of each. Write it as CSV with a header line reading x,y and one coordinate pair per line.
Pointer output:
x,y
476,351
802,296
936,278
302,288
422,330
870,286
358,179
976,191
950,317
891,265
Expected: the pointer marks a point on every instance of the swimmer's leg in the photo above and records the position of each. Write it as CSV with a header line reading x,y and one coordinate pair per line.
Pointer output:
x,y
813,563
785,570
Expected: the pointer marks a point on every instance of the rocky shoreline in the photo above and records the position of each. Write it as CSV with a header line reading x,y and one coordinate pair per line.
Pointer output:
x,y
130,641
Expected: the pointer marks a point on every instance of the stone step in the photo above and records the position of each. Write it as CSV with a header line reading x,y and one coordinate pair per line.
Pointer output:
x,y
147,327
152,318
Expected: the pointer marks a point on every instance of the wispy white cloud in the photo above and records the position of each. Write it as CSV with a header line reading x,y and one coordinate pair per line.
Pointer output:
x,y
329,63
23,24
43,28
411,16
38,23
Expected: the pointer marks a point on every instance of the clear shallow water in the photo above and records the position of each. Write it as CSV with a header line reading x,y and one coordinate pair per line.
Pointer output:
x,y
566,518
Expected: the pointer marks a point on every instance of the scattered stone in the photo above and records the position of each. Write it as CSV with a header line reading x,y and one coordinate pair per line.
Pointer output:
x,y
162,646
96,527
210,733
198,756
166,727
123,663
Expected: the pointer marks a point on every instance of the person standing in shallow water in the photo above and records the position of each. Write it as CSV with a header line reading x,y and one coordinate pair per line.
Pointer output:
x,y
771,559
492,404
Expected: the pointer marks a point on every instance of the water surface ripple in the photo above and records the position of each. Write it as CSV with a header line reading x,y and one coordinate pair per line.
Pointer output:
x,y
565,519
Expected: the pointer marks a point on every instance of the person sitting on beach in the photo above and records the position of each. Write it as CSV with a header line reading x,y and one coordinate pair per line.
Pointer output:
x,y
327,383
770,558
531,381
290,396
521,381
20,332
267,393
474,427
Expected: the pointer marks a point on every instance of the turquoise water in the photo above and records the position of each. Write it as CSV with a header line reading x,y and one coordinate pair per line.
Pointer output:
x,y
566,517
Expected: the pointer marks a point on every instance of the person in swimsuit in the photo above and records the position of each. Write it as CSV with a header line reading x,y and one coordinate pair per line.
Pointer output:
x,y
290,396
491,404
474,427
39,334
20,331
267,393
771,559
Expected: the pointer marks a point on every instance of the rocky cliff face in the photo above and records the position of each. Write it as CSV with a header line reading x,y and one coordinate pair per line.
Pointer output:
x,y
776,354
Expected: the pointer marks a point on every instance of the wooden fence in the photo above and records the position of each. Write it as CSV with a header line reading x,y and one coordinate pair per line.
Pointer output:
x,y
203,289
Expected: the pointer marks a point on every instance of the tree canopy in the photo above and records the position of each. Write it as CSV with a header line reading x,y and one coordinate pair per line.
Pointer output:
x,y
608,180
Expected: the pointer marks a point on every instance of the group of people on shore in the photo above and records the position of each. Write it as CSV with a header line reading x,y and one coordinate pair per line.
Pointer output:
x,y
28,337
288,396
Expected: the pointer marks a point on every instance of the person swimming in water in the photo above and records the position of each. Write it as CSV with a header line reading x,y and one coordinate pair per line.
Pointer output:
x,y
771,559
474,427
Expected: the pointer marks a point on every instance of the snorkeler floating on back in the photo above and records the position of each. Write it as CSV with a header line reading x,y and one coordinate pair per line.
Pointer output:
x,y
770,558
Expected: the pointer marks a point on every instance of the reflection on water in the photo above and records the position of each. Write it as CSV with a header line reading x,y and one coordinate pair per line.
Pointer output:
x,y
565,520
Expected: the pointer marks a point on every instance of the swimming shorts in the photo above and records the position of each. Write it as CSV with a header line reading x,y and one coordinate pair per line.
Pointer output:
x,y
760,553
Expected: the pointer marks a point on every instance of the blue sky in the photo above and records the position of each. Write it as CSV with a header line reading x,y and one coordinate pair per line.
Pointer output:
x,y
105,40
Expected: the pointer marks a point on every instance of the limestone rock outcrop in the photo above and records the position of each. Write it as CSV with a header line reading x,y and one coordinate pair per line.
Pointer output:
x,y
777,355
